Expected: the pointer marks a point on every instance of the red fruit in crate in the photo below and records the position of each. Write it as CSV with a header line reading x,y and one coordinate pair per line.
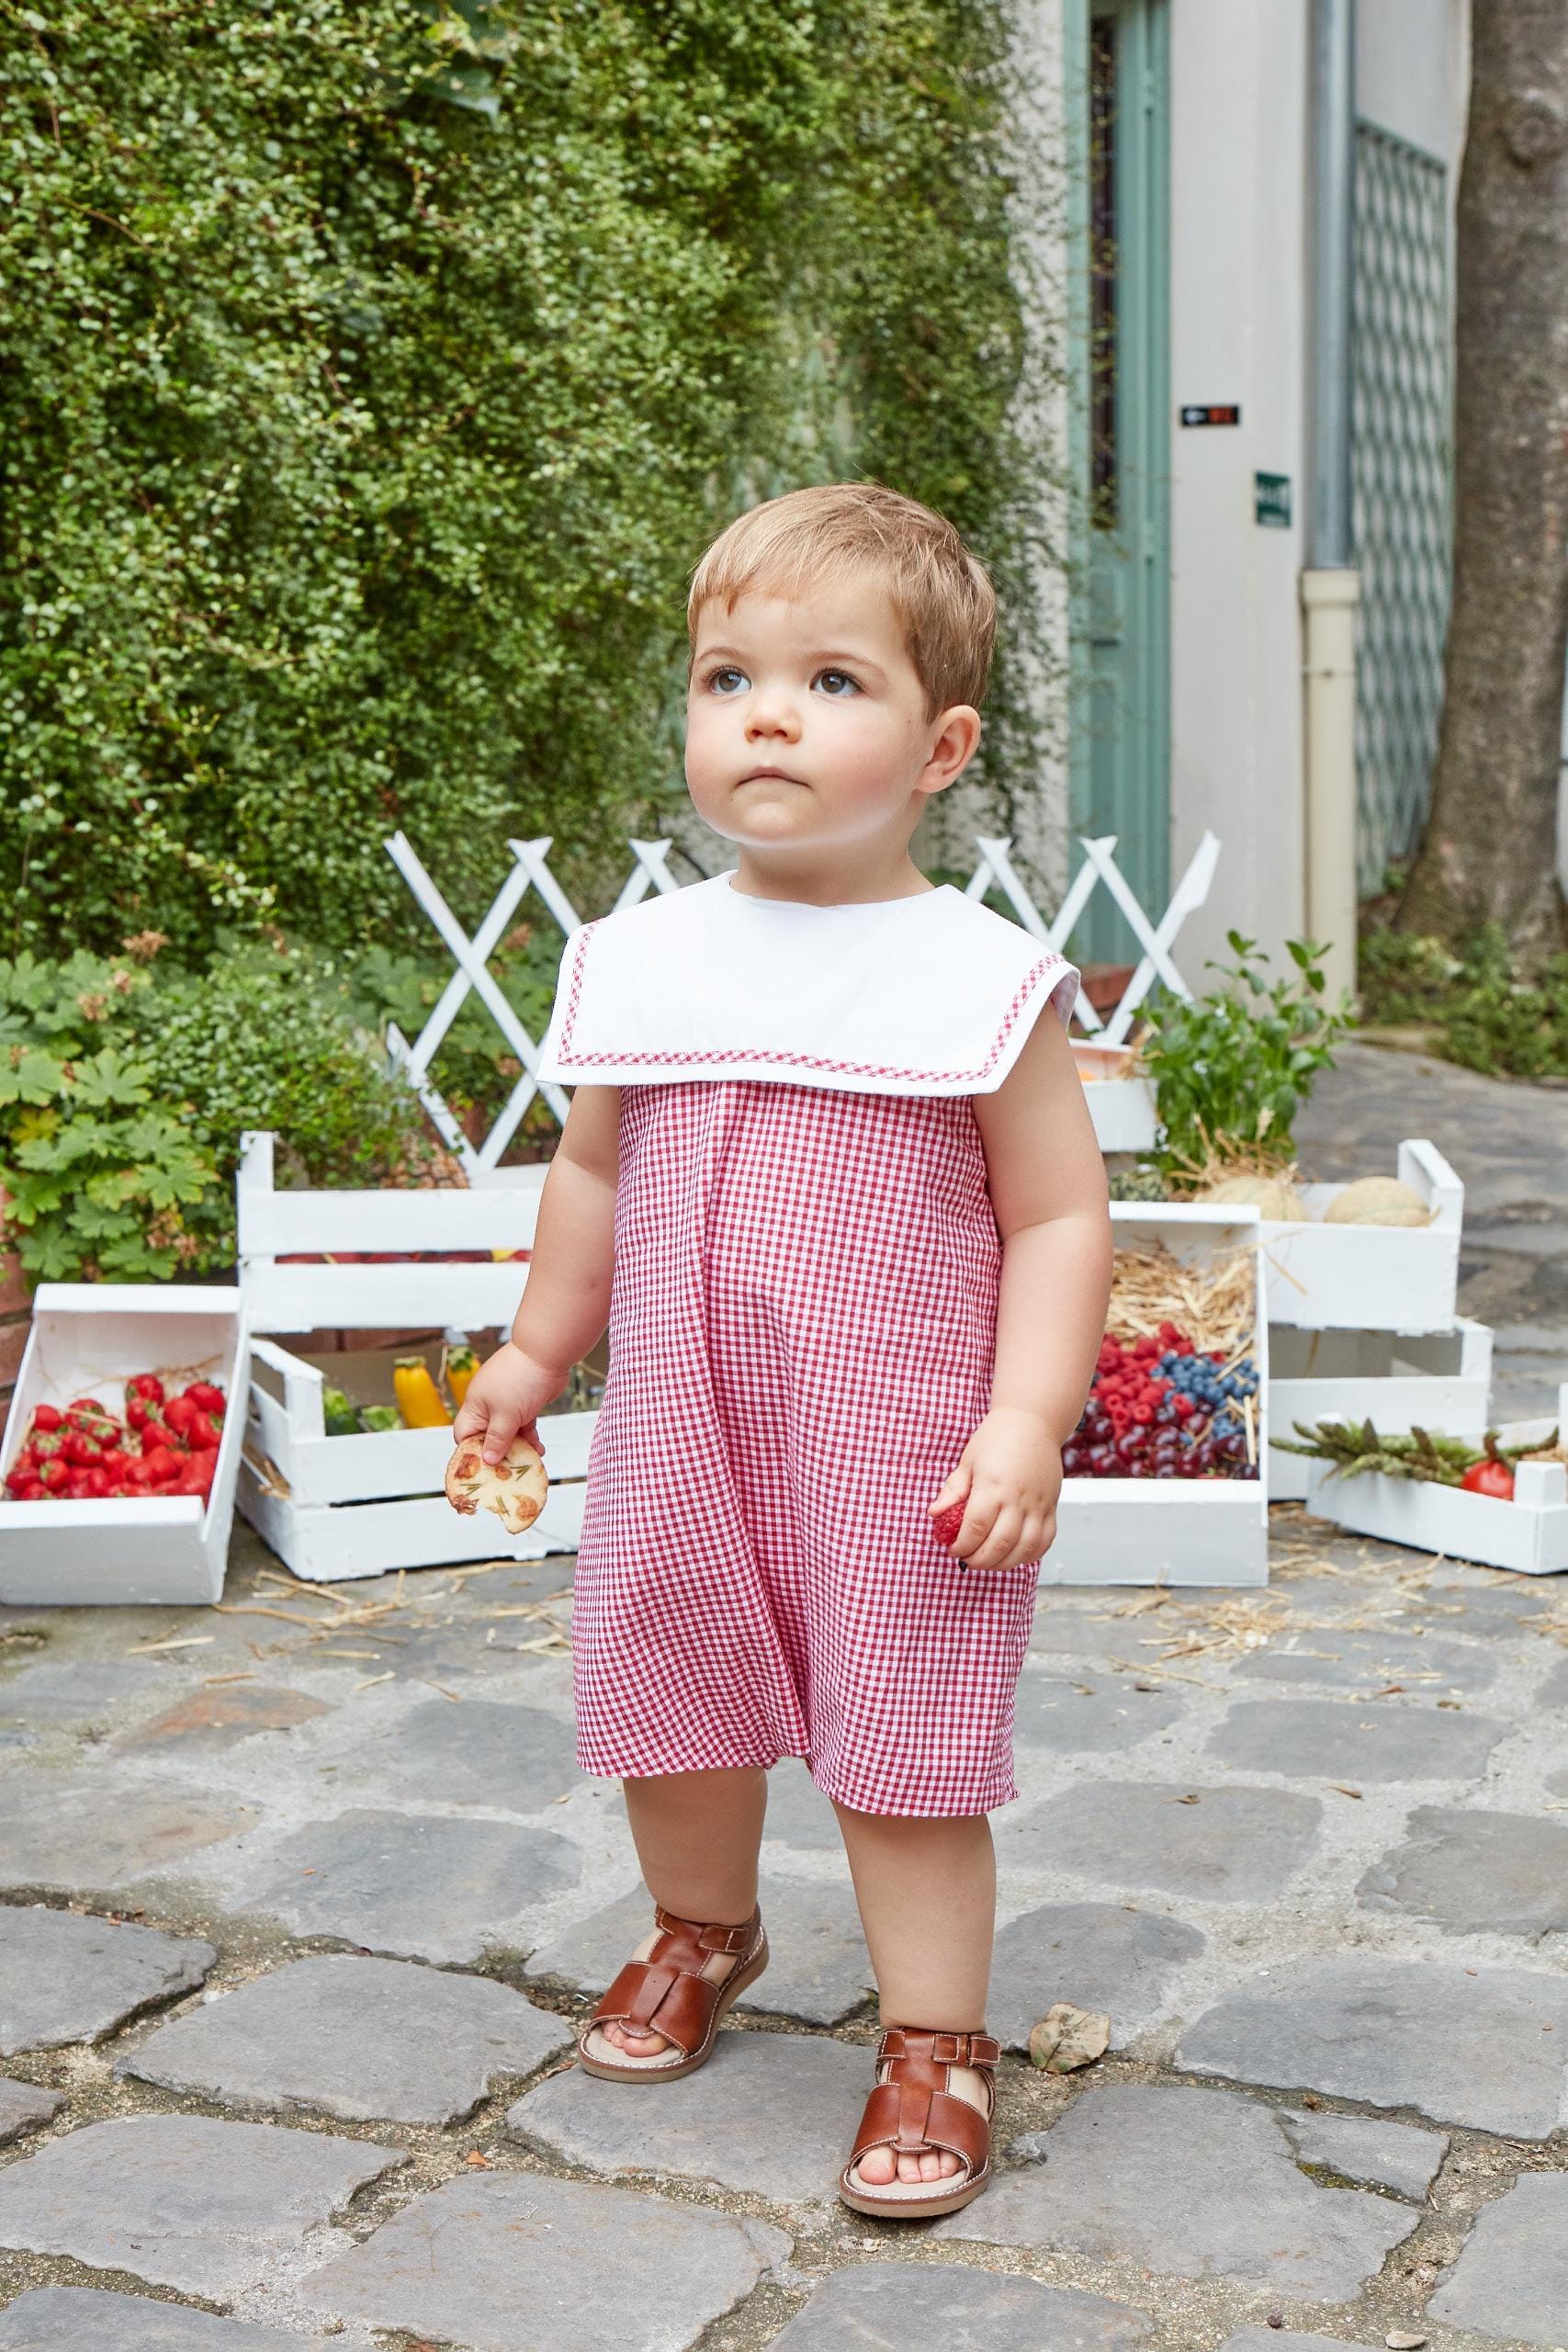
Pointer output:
x,y
147,1386
155,1436
33,1493
1490,1478
99,1483
52,1475
159,1463
16,1478
201,1437
137,1412
207,1397
945,1529
80,1450
179,1413
46,1417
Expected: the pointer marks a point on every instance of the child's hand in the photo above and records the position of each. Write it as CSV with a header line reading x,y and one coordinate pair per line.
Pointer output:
x,y
1009,1477
504,1394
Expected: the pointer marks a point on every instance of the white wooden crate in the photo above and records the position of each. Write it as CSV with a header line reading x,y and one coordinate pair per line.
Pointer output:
x,y
1174,1530
1439,1380
87,1340
1121,1106
359,1506
1369,1277
1529,1535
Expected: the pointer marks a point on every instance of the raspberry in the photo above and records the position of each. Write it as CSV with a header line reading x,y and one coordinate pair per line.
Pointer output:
x,y
946,1528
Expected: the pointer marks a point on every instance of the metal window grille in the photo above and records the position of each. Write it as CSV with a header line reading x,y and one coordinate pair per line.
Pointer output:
x,y
1402,482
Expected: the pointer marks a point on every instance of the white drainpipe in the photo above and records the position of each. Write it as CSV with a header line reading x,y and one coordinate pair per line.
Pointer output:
x,y
1330,586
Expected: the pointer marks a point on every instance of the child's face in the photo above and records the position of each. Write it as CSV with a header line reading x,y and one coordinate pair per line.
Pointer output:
x,y
807,727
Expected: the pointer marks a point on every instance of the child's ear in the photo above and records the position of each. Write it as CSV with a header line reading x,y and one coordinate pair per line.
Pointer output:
x,y
953,745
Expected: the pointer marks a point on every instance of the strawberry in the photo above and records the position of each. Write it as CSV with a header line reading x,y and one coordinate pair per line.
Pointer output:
x,y
946,1528
52,1475
80,1450
138,1413
159,1464
201,1437
207,1398
46,1417
147,1386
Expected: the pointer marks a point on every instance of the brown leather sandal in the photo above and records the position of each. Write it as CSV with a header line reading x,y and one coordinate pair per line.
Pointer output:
x,y
667,1993
912,2109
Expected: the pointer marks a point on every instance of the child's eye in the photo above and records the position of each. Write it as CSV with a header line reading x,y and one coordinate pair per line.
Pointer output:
x,y
725,680
837,682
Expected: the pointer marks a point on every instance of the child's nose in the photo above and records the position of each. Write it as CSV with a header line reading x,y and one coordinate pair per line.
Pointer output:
x,y
773,714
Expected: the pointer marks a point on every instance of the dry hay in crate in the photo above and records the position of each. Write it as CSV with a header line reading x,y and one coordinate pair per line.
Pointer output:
x,y
1212,1300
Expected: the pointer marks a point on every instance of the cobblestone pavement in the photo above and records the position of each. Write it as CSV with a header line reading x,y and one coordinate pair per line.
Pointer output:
x,y
299,1902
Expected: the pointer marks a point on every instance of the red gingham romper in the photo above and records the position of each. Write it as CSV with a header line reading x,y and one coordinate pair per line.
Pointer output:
x,y
802,1329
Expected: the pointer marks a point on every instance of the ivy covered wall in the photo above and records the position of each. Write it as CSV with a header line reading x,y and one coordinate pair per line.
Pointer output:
x,y
371,374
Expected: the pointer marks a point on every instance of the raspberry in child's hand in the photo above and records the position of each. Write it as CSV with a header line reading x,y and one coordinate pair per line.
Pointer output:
x,y
945,1529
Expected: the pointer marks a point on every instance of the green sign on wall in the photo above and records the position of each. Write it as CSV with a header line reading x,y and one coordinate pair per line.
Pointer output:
x,y
1272,499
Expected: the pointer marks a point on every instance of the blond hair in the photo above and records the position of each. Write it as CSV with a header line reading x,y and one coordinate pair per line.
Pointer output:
x,y
942,595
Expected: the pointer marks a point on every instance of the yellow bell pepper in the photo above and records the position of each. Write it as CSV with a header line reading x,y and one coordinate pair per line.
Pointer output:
x,y
459,1364
419,1400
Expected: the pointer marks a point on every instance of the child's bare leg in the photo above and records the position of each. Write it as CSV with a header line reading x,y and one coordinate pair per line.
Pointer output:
x,y
696,1835
927,1892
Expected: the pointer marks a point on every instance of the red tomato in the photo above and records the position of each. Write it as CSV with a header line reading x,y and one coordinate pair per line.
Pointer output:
x,y
1489,1477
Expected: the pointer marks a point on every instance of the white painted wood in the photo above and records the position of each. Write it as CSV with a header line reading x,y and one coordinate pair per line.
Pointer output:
x,y
88,1337
1529,1535
1178,1531
325,1543
1370,1277
1438,1381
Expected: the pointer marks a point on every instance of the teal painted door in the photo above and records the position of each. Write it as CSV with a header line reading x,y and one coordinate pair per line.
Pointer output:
x,y
1121,730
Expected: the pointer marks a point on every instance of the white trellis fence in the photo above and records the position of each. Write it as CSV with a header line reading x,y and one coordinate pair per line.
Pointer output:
x,y
650,870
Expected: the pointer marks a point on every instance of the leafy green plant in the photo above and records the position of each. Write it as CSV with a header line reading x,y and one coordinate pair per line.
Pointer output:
x,y
100,1176
124,1093
385,366
1480,1011
1235,1065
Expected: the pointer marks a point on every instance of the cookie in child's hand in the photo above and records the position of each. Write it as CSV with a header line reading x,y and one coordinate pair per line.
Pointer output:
x,y
514,1487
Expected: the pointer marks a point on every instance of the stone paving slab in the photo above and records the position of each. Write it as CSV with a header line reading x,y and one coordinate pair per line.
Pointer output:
x,y
420,1886
1107,1956
23,2106
1339,1739
481,2262
80,1691
1461,2047
1367,2150
1095,1715
365,2040
1505,1874
514,1757
65,1977
1231,1845
818,1966
922,2307
93,2318
1553,1691
1270,2339
1192,2183
773,2113
205,2207
1427,1666
798,1813
1511,2278
75,1833
220,1718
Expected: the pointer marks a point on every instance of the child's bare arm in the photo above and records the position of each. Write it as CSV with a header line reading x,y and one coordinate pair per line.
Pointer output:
x,y
566,1300
1048,1185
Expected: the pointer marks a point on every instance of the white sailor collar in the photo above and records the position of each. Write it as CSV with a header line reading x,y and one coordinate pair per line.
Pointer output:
x,y
932,994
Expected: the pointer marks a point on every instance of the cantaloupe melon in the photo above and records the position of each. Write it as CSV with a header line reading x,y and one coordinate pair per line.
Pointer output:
x,y
1269,1196
1377,1200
